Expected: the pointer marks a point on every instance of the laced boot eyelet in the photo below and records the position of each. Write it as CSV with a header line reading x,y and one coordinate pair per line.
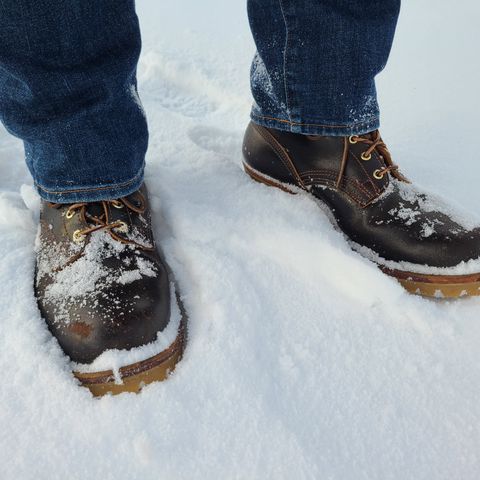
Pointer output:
x,y
122,227
70,214
365,157
78,236
117,204
378,174
353,139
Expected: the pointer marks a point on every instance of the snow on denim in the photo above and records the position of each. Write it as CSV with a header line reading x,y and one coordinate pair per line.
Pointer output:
x,y
314,72
68,82
68,90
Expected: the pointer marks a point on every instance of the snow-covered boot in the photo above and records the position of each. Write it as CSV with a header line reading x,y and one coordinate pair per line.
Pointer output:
x,y
106,293
410,234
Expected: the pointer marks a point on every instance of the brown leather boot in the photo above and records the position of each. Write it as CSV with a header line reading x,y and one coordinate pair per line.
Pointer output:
x,y
101,284
405,231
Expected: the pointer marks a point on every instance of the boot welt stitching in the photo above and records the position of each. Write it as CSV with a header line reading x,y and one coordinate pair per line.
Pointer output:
x,y
375,187
353,182
361,203
351,194
287,161
329,176
350,183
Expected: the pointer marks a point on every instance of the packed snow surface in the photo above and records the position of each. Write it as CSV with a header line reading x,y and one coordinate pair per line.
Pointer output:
x,y
304,361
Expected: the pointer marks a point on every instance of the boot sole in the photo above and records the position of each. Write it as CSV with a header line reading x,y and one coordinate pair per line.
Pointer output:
x,y
436,286
135,376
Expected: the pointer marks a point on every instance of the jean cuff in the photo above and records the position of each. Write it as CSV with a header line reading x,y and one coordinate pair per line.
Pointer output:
x,y
91,193
317,128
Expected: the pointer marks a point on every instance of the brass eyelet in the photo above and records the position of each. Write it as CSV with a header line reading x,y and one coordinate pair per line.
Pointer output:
x,y
70,214
353,139
366,158
122,227
78,237
117,204
378,174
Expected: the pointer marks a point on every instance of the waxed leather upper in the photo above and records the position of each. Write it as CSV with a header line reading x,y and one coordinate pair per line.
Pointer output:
x,y
127,301
393,219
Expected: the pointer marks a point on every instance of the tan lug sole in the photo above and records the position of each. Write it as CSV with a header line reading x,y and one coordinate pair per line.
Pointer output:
x,y
137,375
436,286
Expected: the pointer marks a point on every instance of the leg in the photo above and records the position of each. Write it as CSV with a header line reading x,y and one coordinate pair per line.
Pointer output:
x,y
68,90
315,68
315,130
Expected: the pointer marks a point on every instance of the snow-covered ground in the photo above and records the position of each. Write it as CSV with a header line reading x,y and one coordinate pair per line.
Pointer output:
x,y
304,361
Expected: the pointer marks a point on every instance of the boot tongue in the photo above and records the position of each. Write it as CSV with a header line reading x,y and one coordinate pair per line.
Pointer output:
x,y
130,215
95,209
136,200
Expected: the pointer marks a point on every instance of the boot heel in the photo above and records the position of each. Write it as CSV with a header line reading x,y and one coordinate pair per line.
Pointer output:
x,y
260,178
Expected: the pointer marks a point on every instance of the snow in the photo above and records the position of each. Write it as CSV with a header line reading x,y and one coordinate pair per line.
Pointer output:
x,y
304,360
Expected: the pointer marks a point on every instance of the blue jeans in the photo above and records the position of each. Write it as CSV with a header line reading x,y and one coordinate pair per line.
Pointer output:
x,y
68,82
315,69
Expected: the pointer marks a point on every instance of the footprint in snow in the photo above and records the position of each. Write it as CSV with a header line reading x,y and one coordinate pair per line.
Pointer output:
x,y
216,140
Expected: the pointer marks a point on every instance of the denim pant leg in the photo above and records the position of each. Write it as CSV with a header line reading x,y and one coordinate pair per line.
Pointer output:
x,y
68,90
316,62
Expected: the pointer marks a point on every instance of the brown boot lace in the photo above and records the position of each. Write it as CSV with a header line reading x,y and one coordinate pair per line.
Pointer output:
x,y
375,144
102,221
